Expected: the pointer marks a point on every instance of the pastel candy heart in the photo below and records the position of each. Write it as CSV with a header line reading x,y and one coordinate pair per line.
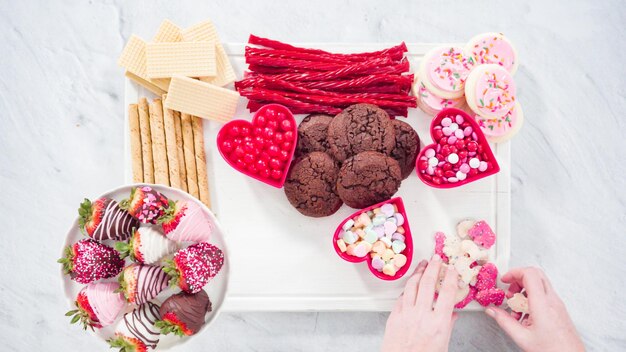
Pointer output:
x,y
379,247
378,263
349,237
389,269
399,219
398,237
370,236
360,250
379,220
399,260
364,220
387,209
388,254
398,246
380,231
386,241
390,228
348,225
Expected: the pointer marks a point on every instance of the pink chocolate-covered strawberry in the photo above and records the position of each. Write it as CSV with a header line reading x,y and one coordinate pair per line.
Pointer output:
x,y
193,267
489,296
185,221
146,246
482,234
87,261
97,305
145,204
141,283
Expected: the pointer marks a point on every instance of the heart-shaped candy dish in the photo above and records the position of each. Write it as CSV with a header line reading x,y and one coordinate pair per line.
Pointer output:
x,y
380,235
263,148
459,154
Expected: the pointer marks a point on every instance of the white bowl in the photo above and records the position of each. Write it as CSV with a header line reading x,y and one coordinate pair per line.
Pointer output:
x,y
216,289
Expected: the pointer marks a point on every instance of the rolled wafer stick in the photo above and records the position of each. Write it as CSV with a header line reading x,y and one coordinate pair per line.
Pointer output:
x,y
159,151
135,142
170,146
181,154
200,154
190,157
146,141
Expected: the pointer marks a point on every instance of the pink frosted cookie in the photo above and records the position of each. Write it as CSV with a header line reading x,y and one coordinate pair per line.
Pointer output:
x,y
490,91
499,130
444,70
482,234
492,48
430,103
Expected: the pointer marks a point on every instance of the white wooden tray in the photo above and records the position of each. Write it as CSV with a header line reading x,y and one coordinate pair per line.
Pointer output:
x,y
283,261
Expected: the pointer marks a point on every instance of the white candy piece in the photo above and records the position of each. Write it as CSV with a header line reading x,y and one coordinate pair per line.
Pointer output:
x,y
433,162
461,176
518,303
462,266
464,226
453,158
454,126
474,163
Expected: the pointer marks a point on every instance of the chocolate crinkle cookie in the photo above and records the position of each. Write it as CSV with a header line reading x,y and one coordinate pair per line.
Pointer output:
x,y
311,185
407,147
313,134
359,128
368,178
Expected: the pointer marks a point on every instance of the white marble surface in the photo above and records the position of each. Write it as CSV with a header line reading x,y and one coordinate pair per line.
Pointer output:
x,y
61,126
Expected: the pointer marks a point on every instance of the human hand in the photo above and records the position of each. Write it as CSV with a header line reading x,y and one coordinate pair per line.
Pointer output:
x,y
548,327
414,325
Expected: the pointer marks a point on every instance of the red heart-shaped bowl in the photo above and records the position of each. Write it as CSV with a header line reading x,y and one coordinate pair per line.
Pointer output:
x,y
435,164
263,148
408,241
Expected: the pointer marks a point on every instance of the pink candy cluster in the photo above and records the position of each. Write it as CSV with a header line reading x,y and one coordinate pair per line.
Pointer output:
x,y
457,154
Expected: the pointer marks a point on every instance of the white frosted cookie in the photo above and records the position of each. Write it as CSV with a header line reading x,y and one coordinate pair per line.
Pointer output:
x,y
492,48
490,91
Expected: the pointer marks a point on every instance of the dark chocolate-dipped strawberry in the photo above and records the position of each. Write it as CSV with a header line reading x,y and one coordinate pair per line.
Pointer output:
x,y
184,314
103,219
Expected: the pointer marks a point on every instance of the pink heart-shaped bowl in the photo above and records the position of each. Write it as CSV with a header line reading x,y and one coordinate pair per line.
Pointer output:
x,y
408,241
437,167
263,148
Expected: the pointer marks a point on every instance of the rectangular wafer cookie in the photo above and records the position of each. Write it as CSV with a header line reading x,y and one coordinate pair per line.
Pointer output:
x,y
191,59
205,31
168,32
201,99
133,59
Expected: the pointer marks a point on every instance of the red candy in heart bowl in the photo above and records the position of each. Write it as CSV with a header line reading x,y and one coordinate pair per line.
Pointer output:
x,y
263,148
460,153
380,235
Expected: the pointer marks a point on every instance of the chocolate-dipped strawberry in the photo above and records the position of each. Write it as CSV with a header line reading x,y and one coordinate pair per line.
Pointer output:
x,y
146,246
97,305
103,219
145,204
136,331
184,221
183,313
194,266
87,261
141,283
